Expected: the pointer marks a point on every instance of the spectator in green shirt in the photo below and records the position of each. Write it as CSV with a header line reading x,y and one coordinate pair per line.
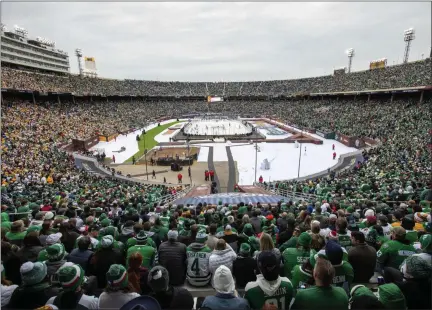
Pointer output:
x,y
323,295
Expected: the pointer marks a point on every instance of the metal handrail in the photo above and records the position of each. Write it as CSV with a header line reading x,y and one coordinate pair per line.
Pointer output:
x,y
285,192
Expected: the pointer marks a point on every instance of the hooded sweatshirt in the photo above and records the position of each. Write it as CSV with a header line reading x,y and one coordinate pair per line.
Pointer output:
x,y
261,292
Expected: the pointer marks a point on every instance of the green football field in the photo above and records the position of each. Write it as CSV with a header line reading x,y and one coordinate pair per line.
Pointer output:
x,y
150,142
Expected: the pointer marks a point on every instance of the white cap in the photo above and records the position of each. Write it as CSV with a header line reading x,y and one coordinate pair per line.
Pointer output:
x,y
369,212
53,238
49,215
223,280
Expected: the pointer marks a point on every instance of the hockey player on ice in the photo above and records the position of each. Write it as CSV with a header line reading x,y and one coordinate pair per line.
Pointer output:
x,y
305,151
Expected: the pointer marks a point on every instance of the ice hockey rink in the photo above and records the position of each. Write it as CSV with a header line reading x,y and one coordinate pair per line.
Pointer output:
x,y
216,127
282,157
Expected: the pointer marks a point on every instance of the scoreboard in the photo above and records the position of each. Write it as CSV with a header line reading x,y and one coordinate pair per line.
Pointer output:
x,y
214,99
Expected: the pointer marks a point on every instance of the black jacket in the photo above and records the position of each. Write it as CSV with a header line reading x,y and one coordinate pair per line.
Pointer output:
x,y
231,240
101,262
69,239
172,255
28,297
362,258
175,298
244,270
285,235
417,293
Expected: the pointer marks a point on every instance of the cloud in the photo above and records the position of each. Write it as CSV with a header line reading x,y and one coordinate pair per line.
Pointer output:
x,y
227,41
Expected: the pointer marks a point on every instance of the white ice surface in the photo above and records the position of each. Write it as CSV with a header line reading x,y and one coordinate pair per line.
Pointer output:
x,y
262,128
203,154
129,142
284,160
216,127
165,138
273,137
219,151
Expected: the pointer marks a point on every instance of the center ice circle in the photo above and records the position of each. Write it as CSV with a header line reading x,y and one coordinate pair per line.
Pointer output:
x,y
217,127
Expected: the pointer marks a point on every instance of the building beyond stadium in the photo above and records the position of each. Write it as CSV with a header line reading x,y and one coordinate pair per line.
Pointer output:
x,y
17,50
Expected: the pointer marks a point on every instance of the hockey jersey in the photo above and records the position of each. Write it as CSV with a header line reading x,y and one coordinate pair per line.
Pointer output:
x,y
393,253
198,271
293,257
344,239
344,274
279,293
301,277
164,220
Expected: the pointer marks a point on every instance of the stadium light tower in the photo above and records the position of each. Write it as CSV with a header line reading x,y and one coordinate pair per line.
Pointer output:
x,y
79,54
350,52
409,35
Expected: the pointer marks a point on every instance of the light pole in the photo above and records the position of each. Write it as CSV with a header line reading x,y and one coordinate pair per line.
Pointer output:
x,y
79,54
189,169
409,35
350,52
145,153
298,171
256,159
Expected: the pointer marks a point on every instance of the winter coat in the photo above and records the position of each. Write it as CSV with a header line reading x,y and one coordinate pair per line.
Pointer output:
x,y
221,257
69,239
31,297
86,301
172,255
101,262
29,253
362,258
12,264
417,293
80,257
225,301
244,270
256,223
174,298
231,240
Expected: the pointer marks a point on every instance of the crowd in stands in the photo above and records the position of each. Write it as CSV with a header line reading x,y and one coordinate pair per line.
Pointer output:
x,y
71,239
412,74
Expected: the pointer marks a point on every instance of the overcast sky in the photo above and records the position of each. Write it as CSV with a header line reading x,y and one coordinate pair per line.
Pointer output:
x,y
225,41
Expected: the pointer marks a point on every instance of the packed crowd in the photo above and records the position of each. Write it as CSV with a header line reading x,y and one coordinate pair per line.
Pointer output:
x,y
75,240
412,74
117,253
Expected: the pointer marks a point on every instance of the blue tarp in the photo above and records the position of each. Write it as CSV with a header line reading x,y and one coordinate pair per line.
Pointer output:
x,y
232,198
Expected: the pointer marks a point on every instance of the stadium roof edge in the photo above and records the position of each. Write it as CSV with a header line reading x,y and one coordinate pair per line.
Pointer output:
x,y
365,92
